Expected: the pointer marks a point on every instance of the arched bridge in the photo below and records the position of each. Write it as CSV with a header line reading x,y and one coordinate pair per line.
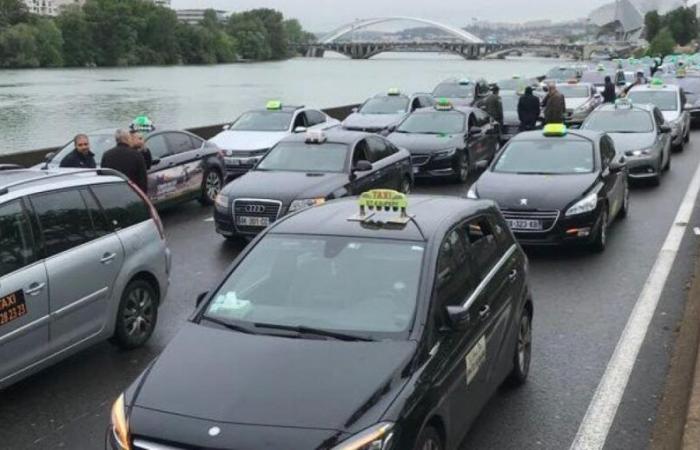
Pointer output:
x,y
456,41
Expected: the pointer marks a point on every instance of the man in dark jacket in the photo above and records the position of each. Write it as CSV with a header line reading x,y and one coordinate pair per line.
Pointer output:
x,y
554,105
126,160
139,144
528,110
81,157
493,105
609,91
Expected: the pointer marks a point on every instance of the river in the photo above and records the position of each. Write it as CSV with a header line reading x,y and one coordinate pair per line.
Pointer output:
x,y
45,107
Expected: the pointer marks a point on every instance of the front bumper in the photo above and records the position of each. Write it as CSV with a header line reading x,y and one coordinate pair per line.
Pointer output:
x,y
561,230
225,220
429,166
643,167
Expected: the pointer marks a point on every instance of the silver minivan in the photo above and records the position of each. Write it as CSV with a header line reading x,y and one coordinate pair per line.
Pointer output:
x,y
83,258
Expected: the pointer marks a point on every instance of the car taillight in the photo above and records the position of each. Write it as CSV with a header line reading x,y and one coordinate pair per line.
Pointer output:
x,y
151,209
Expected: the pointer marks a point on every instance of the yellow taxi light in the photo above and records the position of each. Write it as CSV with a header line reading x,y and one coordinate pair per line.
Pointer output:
x,y
555,129
273,105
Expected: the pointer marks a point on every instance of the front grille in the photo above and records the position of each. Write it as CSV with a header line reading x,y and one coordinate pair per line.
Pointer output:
x,y
548,218
255,208
420,160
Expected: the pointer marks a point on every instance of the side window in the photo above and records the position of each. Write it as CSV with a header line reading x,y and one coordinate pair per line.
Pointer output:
x,y
314,117
101,225
360,152
454,278
607,150
178,142
122,206
64,220
426,102
377,149
415,104
659,117
503,238
300,121
196,142
16,243
484,248
157,146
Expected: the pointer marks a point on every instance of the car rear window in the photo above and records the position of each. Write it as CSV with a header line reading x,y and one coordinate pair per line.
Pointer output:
x,y
121,204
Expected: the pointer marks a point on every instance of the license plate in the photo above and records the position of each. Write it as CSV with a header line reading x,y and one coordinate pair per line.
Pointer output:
x,y
12,307
233,161
524,224
246,221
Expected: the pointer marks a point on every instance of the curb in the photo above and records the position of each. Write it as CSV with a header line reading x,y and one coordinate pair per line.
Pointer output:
x,y
691,431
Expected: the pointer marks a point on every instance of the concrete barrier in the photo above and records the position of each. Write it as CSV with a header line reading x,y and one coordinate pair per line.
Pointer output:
x,y
32,157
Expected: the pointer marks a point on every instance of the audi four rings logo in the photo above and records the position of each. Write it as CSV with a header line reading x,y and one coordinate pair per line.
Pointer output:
x,y
254,209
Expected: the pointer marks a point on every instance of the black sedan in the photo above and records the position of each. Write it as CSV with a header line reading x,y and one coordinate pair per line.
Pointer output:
x,y
557,186
448,142
337,330
308,169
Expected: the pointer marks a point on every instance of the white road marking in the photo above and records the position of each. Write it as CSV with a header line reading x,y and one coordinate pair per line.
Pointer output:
x,y
594,428
210,219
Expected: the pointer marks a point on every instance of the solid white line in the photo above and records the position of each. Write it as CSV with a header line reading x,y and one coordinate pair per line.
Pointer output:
x,y
601,412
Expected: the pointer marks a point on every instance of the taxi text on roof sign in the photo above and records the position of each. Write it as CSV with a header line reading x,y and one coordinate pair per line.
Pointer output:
x,y
555,129
623,103
274,105
378,200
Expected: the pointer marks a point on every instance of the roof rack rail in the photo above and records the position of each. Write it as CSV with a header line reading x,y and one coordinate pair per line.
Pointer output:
x,y
99,171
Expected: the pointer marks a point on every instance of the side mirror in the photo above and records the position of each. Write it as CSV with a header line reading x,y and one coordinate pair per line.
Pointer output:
x,y
617,166
355,109
362,166
665,128
300,129
474,131
458,317
155,161
201,297
226,127
49,156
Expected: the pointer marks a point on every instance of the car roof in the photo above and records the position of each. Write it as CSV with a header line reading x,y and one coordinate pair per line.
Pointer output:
x,y
284,108
648,87
429,214
29,181
578,134
611,107
336,135
578,83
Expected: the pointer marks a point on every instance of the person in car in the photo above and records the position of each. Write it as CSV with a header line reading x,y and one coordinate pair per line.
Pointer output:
x,y
81,157
126,160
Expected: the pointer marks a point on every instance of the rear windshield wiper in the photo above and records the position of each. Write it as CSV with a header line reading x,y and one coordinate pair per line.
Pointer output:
x,y
230,325
301,329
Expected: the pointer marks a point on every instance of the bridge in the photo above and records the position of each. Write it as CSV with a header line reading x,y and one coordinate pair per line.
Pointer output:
x,y
457,41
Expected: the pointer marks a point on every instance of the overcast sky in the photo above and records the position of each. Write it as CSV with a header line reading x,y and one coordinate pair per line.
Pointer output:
x,y
324,15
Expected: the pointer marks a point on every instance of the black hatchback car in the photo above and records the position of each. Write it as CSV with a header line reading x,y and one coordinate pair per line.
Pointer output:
x,y
309,169
558,186
339,329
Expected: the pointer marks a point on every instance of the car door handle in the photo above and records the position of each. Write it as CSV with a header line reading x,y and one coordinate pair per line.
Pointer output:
x,y
35,289
107,258
484,312
513,274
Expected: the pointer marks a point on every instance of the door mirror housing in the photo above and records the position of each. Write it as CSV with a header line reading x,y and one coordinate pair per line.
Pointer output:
x,y
355,109
665,128
49,156
458,317
617,166
226,127
201,297
362,166
300,129
475,131
155,161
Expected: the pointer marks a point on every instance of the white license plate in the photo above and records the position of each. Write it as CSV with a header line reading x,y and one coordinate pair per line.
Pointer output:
x,y
524,224
246,221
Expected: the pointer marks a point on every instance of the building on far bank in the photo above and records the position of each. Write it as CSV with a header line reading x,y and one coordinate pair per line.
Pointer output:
x,y
49,7
163,3
195,16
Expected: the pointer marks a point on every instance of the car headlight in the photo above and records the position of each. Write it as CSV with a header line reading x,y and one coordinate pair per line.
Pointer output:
x,y
637,153
445,153
586,204
221,201
305,203
377,437
471,193
120,426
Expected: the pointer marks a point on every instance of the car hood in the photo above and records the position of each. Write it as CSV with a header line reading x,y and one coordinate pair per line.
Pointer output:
x,y
631,141
670,115
247,140
285,186
575,102
230,377
543,192
358,120
426,143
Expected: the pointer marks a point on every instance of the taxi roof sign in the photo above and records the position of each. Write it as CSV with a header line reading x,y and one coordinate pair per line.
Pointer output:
x,y
443,104
464,81
658,82
623,103
555,129
273,105
380,200
394,91
315,137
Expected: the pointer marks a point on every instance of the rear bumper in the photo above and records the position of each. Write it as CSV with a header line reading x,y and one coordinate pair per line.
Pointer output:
x,y
640,168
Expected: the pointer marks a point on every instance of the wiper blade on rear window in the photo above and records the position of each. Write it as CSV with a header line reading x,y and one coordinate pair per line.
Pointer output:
x,y
301,329
230,325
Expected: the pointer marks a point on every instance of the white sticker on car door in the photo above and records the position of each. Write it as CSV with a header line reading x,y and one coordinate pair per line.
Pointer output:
x,y
475,359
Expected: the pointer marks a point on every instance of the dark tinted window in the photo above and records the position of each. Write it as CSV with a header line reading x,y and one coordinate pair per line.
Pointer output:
x,y
101,225
607,150
484,248
314,118
16,244
196,142
454,276
64,219
378,149
178,142
122,206
157,145
300,121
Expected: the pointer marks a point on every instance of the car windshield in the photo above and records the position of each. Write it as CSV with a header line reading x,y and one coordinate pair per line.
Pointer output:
x,y
561,73
385,105
438,122
301,157
335,283
620,122
263,121
552,156
574,91
597,77
99,144
664,100
454,90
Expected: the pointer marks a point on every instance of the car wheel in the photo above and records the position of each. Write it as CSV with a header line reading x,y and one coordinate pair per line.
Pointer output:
x,y
686,138
428,439
211,186
601,238
624,210
667,167
656,179
137,315
523,351
462,168
405,185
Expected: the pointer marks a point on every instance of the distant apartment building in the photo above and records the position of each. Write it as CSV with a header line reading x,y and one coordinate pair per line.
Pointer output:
x,y
164,3
49,7
195,16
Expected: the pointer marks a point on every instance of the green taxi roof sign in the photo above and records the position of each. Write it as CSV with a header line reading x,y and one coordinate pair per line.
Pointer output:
x,y
394,91
274,105
555,129
464,81
657,82
443,104
382,200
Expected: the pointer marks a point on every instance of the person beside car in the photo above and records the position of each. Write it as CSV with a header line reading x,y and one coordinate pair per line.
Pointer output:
x,y
554,105
81,157
126,160
528,110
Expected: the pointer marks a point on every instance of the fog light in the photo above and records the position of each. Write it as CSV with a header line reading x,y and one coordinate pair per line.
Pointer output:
x,y
650,170
578,232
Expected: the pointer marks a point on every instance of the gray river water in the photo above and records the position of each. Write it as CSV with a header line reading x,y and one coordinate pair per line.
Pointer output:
x,y
45,107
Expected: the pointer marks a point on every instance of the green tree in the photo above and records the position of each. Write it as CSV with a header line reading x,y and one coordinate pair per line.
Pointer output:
x,y
296,35
49,41
18,47
663,44
12,12
113,30
276,34
251,36
78,49
157,41
652,25
683,24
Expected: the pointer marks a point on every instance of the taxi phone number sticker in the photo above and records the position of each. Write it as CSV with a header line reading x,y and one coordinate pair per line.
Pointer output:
x,y
12,307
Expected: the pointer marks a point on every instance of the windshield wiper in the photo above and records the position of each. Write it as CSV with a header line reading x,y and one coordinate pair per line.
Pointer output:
x,y
230,325
301,329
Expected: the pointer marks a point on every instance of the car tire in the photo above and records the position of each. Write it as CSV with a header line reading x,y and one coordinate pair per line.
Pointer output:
x,y
137,315
667,167
428,439
462,168
212,182
625,208
523,351
601,238
406,185
686,138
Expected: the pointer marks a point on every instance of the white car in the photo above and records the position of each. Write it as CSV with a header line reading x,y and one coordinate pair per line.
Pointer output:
x,y
245,141
384,112
581,99
670,99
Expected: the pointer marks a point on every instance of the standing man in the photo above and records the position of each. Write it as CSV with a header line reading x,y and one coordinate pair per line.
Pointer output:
x,y
139,144
554,105
609,91
126,160
528,110
493,106
81,156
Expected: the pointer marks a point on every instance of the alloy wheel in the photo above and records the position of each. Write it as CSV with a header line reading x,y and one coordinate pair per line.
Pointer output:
x,y
138,313
431,444
524,344
212,185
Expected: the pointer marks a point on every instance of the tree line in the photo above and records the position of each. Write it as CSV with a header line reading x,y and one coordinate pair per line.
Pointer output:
x,y
138,32
665,31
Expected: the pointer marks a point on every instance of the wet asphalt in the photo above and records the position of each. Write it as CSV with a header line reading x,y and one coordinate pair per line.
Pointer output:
x,y
582,302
